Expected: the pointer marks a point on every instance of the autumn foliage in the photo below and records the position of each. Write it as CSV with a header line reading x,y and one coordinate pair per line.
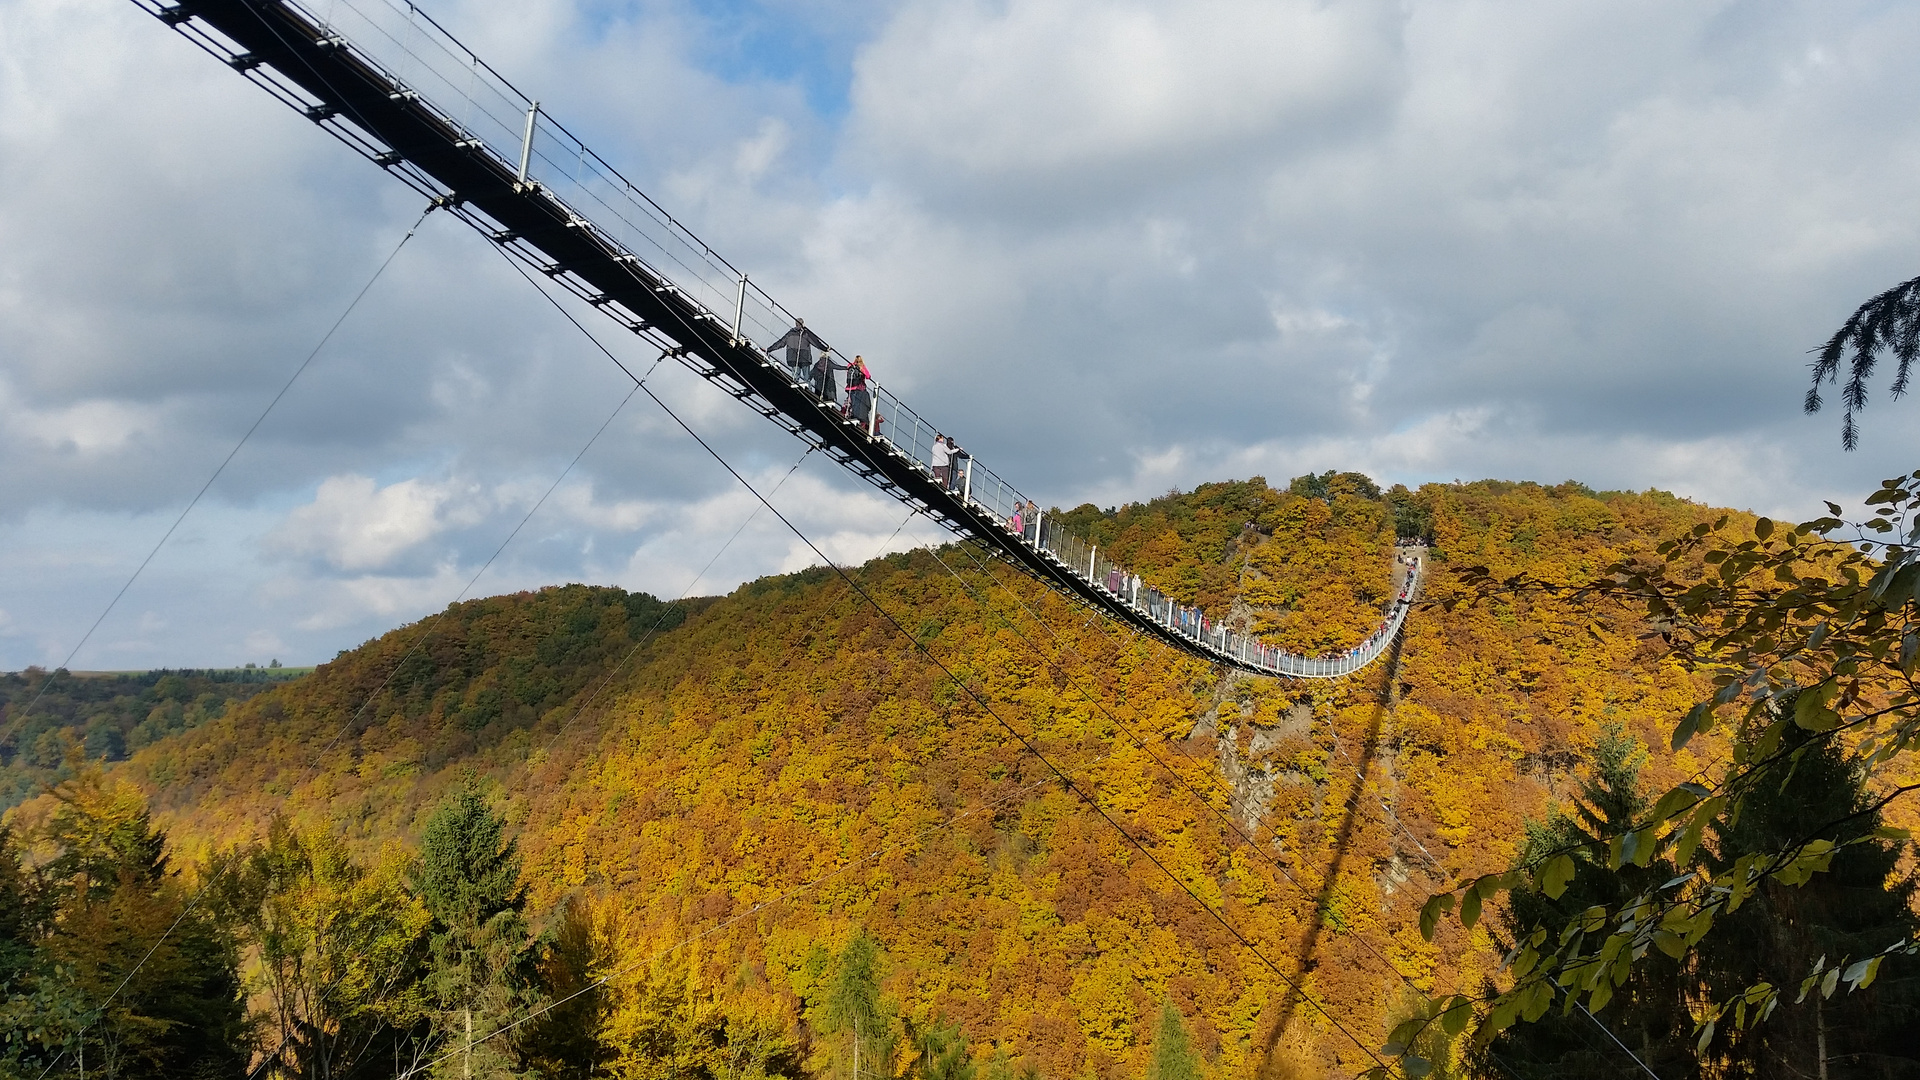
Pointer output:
x,y
712,799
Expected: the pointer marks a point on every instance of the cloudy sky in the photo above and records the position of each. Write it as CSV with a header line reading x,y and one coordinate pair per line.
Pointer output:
x,y
1115,246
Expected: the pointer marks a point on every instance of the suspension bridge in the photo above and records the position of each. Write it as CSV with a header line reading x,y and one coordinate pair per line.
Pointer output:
x,y
388,81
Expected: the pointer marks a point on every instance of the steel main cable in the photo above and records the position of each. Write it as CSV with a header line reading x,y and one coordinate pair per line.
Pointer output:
x,y
639,385
968,690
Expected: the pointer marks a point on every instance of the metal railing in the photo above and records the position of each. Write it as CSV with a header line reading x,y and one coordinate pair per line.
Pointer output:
x,y
428,67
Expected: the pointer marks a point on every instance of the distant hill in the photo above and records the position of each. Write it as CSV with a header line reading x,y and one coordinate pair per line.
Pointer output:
x,y
50,719
779,766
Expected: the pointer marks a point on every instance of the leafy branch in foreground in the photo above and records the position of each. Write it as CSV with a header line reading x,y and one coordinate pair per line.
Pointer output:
x,y
1809,636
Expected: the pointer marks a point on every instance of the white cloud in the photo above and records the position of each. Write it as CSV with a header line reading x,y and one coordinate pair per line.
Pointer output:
x,y
354,524
1045,90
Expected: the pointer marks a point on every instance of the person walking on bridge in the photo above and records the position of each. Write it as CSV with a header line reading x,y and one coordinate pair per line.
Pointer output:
x,y
942,455
799,343
825,386
859,401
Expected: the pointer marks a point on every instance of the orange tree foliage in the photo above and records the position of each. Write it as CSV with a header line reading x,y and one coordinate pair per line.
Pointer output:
x,y
785,768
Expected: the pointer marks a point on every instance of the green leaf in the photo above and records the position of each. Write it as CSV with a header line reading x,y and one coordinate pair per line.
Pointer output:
x,y
1862,972
1763,528
1830,983
1454,1020
1683,732
1415,1066
1470,908
1556,876
1810,708
1431,911
1403,1035
1706,1029
1538,1000
1676,800
1696,829
1644,845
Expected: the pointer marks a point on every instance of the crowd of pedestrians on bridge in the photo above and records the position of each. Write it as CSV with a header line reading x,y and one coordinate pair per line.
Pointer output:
x,y
811,363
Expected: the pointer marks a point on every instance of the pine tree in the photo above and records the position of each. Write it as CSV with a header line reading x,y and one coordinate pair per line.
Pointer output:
x,y
942,1052
1862,904
468,876
852,1007
567,1042
1173,1054
1648,1013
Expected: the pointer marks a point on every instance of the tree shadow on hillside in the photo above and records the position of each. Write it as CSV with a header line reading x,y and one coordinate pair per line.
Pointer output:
x,y
1304,953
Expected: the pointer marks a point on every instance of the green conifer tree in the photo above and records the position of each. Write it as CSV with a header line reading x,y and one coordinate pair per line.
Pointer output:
x,y
941,1052
468,876
1647,1017
1862,904
126,971
853,1008
1174,1057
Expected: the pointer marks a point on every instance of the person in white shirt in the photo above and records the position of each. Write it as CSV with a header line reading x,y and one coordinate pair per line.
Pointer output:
x,y
942,462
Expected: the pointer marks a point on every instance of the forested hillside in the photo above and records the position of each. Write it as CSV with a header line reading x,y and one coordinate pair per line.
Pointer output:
x,y
727,806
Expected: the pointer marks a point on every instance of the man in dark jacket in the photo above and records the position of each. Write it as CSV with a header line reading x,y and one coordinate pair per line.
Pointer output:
x,y
825,386
799,343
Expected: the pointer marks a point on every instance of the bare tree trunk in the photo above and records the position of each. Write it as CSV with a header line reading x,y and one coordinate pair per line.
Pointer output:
x,y
1820,1035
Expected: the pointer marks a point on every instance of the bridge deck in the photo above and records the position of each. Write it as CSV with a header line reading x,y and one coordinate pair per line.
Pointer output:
x,y
386,80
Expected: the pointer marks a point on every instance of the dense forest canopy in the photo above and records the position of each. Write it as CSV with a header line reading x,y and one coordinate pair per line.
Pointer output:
x,y
761,835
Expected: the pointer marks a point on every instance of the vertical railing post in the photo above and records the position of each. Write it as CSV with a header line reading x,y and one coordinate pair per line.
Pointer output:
x,y
1092,554
526,145
966,485
739,308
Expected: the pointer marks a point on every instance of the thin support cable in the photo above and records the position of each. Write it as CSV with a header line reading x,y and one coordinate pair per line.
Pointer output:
x,y
945,824
426,632
608,678
195,501
1027,742
224,462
